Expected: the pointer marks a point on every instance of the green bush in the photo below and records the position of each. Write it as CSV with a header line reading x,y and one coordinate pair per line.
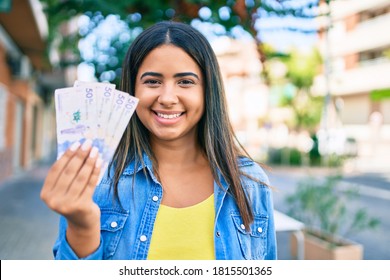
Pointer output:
x,y
293,157
319,205
284,156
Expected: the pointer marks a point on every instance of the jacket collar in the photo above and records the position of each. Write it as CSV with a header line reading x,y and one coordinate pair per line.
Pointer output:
x,y
131,168
136,166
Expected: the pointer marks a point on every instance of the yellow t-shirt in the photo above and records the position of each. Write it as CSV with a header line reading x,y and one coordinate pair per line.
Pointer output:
x,y
184,233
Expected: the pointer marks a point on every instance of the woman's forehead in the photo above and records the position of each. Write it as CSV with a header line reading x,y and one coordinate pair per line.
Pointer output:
x,y
169,58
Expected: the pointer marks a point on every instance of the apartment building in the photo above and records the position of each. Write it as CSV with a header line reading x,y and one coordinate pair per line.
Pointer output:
x,y
247,95
26,120
358,51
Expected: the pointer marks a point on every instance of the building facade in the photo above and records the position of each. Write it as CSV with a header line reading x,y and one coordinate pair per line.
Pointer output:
x,y
357,48
27,121
246,93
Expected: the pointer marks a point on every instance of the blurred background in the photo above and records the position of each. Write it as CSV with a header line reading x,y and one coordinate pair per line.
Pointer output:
x,y
308,89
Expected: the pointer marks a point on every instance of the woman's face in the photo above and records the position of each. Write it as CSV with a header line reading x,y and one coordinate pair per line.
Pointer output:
x,y
169,85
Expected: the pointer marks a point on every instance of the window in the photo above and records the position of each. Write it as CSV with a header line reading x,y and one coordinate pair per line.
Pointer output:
x,y
374,56
371,14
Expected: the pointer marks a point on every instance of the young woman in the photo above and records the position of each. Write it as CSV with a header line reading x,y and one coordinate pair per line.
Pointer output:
x,y
179,185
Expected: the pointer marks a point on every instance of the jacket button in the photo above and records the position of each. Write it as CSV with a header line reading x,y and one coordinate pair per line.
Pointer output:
x,y
242,226
218,234
114,224
155,198
143,238
259,229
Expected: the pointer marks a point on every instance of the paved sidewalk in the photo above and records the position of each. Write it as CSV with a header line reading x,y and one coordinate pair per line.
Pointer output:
x,y
27,227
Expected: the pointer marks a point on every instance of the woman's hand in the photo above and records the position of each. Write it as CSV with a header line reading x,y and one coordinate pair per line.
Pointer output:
x,y
68,190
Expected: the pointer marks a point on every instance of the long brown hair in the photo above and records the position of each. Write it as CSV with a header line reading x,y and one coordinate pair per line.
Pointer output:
x,y
215,133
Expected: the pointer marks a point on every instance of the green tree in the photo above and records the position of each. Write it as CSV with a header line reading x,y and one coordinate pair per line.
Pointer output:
x,y
139,14
294,87
291,87
301,71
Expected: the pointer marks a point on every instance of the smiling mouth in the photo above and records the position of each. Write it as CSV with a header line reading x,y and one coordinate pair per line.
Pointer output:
x,y
168,116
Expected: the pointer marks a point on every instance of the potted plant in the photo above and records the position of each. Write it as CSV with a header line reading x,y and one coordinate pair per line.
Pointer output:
x,y
328,217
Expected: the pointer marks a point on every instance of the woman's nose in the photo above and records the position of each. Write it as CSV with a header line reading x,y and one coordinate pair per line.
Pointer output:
x,y
168,96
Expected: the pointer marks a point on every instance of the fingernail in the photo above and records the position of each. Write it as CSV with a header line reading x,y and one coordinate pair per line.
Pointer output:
x,y
86,145
75,146
93,152
98,162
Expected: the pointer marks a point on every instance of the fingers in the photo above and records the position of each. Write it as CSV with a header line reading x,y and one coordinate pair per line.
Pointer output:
x,y
90,188
78,169
73,167
85,175
57,168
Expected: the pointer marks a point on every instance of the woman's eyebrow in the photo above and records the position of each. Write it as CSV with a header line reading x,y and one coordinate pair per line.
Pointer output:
x,y
154,74
177,75
183,74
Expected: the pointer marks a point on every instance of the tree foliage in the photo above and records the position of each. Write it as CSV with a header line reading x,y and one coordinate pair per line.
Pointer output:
x,y
301,71
303,67
294,86
139,14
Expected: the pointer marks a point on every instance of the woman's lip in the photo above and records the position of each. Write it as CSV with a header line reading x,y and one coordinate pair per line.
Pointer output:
x,y
168,120
167,112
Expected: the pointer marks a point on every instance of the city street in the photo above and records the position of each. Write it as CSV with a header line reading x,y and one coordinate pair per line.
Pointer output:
x,y
28,228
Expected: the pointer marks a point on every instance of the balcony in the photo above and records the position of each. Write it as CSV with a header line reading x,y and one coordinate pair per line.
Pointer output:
x,y
359,80
367,35
27,26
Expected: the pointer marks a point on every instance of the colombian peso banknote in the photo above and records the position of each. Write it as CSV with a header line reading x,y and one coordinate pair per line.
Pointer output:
x,y
95,111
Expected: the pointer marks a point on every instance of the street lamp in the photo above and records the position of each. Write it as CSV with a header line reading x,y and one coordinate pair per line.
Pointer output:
x,y
327,71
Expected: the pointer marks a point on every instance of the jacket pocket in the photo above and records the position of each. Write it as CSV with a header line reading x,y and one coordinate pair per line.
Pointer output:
x,y
112,223
253,242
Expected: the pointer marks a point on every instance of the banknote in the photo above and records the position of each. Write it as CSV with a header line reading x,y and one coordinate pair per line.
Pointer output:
x,y
105,97
122,110
74,117
95,111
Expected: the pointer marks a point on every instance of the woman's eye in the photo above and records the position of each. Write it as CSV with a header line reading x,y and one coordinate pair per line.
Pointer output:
x,y
152,82
186,82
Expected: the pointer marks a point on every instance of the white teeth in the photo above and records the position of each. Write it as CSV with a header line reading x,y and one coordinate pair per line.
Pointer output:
x,y
165,116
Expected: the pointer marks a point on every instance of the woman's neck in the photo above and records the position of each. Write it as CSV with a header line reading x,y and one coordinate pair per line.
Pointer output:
x,y
177,153
184,173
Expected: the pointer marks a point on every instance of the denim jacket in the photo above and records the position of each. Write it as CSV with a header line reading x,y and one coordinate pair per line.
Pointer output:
x,y
127,224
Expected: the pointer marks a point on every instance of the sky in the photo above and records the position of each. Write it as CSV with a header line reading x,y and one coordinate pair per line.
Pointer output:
x,y
277,31
272,29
